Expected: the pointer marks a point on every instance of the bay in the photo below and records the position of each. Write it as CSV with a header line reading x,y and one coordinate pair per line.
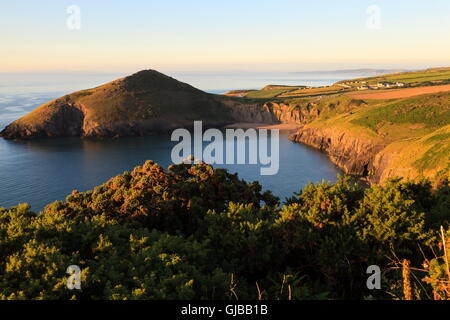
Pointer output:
x,y
40,172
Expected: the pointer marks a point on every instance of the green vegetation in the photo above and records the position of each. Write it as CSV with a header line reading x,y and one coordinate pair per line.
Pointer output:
x,y
149,95
271,92
427,77
432,158
192,232
432,111
267,94
413,133
415,78
412,129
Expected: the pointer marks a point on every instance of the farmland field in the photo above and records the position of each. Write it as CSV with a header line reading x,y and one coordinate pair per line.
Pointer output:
x,y
399,93
416,78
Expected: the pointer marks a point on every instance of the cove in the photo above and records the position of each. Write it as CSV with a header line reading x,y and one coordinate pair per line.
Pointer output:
x,y
40,172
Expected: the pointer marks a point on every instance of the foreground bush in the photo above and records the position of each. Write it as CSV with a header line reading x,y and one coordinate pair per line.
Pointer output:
x,y
192,232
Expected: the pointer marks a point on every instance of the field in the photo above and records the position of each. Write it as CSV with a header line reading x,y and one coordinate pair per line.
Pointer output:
x,y
311,92
266,94
415,78
271,92
425,112
399,93
415,83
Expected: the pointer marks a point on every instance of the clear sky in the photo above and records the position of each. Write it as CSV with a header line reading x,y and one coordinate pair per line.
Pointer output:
x,y
214,35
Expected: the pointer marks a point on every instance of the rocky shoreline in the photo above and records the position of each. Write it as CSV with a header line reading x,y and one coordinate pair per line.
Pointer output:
x,y
355,156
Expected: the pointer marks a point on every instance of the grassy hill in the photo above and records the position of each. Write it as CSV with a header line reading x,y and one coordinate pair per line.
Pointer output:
x,y
142,103
412,135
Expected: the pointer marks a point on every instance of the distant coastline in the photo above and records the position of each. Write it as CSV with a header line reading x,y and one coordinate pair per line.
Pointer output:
x,y
367,71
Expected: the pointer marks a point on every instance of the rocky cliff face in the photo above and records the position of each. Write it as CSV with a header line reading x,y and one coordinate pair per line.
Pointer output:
x,y
354,155
293,113
271,112
66,117
61,117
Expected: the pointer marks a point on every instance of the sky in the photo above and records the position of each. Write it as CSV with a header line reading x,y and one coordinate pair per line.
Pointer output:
x,y
222,35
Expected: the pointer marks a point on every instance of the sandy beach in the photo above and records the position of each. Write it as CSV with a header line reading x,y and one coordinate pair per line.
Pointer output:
x,y
280,126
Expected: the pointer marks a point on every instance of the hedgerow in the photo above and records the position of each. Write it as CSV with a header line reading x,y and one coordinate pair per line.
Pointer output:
x,y
194,232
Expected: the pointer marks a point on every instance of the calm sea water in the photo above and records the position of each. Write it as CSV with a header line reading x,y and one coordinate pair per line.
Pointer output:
x,y
42,171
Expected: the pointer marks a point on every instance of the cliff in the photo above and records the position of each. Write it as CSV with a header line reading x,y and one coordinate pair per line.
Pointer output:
x,y
408,138
354,155
271,112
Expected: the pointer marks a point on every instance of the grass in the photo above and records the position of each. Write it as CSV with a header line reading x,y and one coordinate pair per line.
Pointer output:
x,y
433,111
149,95
414,78
83,93
267,94
418,78
415,132
445,137
434,156
438,152
272,92
282,87
312,92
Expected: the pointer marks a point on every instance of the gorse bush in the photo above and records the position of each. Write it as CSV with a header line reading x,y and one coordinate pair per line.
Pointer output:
x,y
194,232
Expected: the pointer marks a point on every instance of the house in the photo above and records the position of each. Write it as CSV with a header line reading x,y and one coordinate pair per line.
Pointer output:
x,y
363,88
401,84
385,84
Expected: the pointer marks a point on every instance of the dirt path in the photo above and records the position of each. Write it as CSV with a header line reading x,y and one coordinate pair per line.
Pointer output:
x,y
399,93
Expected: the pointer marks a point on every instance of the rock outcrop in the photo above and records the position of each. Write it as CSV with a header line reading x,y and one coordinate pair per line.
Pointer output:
x,y
372,158
61,117
271,112
354,155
